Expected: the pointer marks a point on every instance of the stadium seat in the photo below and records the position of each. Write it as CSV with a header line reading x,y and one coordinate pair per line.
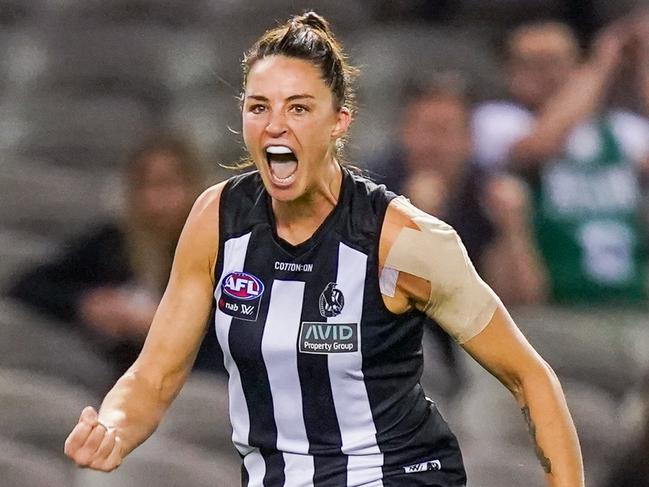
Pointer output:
x,y
23,58
206,118
499,464
40,410
596,415
161,463
19,251
120,59
25,466
391,55
165,13
192,61
486,411
17,14
507,11
200,415
590,345
47,349
50,200
14,126
82,131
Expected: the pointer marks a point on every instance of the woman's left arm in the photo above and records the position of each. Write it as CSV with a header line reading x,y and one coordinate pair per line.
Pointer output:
x,y
503,350
436,276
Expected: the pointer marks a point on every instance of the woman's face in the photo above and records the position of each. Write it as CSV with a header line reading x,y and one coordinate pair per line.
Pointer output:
x,y
290,125
161,194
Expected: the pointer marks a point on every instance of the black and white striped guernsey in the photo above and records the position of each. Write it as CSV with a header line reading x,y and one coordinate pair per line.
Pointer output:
x,y
323,379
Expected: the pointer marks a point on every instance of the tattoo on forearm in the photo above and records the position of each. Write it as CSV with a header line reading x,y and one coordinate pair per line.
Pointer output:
x,y
545,461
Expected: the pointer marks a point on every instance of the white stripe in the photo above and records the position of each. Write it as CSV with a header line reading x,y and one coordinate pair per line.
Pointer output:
x,y
298,470
353,410
278,347
365,470
256,468
234,255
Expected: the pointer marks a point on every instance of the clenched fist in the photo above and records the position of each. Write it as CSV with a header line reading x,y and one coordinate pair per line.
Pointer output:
x,y
93,445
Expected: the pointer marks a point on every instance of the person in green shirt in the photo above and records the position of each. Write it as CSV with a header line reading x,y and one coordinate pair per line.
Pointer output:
x,y
584,163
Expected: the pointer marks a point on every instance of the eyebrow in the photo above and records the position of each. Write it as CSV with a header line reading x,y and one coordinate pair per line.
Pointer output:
x,y
290,98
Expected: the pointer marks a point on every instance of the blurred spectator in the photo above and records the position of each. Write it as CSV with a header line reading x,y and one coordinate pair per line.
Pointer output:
x,y
583,162
431,165
107,283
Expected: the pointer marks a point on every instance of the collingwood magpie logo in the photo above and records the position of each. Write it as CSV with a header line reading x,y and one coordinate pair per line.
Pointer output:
x,y
331,301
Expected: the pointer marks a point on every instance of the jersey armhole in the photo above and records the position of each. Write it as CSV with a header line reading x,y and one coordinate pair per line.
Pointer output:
x,y
387,277
218,257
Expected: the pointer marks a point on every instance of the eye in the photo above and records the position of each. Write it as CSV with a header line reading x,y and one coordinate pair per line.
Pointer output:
x,y
257,108
299,109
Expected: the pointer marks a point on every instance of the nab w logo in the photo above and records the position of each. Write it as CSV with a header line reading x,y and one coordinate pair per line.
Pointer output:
x,y
247,310
242,285
423,466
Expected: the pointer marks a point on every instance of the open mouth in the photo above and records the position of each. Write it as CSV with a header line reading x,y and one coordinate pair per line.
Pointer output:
x,y
283,164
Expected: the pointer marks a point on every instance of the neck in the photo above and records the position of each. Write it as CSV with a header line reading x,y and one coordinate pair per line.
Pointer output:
x,y
297,220
450,173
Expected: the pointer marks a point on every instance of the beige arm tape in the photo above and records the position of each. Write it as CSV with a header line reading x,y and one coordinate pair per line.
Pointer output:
x,y
460,301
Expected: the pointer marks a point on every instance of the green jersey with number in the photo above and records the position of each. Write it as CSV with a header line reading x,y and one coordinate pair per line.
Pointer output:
x,y
589,227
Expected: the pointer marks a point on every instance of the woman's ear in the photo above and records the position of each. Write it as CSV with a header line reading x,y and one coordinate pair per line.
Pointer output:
x,y
344,118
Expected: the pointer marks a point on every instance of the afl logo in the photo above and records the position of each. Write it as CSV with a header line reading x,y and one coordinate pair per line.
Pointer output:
x,y
241,285
331,301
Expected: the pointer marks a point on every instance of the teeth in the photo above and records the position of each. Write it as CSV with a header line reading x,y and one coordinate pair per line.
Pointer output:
x,y
278,149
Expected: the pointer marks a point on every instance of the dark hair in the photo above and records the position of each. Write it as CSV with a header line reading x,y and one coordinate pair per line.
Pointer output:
x,y
445,84
309,37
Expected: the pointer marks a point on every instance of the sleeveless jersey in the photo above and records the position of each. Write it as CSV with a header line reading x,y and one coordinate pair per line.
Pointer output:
x,y
589,225
323,378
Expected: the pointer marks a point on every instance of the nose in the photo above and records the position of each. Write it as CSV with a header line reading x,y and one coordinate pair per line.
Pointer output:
x,y
276,126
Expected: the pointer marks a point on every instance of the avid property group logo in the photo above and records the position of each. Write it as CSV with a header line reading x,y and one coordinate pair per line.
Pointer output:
x,y
326,338
240,295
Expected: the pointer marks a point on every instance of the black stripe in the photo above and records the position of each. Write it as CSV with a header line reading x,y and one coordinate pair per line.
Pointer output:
x,y
244,476
320,419
245,346
410,429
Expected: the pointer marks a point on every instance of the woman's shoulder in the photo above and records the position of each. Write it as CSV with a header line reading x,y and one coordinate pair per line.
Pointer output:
x,y
243,182
210,198
223,201
377,194
401,213
240,183
205,212
407,223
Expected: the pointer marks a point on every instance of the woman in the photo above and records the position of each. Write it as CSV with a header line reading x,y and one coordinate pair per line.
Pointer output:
x,y
321,280
108,282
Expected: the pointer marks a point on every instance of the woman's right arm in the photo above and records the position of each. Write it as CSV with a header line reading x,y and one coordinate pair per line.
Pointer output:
x,y
579,97
133,408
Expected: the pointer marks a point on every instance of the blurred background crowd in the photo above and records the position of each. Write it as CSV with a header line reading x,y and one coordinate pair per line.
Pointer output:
x,y
523,123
